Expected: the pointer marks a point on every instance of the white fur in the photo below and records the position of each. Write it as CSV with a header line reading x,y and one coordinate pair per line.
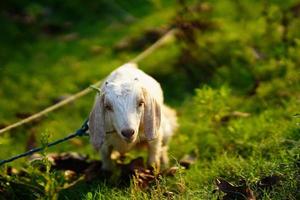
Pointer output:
x,y
131,99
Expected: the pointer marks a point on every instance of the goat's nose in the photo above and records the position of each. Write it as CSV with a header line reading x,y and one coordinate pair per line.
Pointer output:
x,y
128,133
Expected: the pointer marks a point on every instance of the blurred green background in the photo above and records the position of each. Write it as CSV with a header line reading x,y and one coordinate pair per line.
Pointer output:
x,y
232,73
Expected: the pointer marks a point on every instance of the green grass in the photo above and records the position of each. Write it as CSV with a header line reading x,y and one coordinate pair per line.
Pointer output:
x,y
245,63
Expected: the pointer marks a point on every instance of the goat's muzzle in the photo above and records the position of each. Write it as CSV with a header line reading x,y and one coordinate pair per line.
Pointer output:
x,y
128,134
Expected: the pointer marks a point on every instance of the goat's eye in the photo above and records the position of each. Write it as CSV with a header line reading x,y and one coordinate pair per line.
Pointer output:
x,y
108,107
141,103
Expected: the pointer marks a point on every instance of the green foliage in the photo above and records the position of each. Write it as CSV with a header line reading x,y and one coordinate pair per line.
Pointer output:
x,y
239,148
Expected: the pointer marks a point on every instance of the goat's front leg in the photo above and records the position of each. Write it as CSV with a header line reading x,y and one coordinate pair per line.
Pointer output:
x,y
154,153
164,159
107,163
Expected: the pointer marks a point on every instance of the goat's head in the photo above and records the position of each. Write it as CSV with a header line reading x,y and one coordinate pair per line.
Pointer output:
x,y
125,106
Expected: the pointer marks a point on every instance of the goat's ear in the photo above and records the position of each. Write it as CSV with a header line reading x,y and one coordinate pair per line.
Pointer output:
x,y
152,116
97,123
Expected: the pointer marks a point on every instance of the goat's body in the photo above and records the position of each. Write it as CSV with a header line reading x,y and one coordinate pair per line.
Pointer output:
x,y
123,82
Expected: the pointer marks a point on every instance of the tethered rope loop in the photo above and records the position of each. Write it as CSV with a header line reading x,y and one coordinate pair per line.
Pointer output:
x,y
87,90
84,128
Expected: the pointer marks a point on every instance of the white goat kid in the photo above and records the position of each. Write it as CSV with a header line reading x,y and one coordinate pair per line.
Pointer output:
x,y
129,110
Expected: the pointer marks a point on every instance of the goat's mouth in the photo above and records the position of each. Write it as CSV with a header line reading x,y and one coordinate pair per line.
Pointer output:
x,y
130,140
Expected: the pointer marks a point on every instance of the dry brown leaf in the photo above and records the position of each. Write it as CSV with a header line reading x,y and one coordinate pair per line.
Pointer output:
x,y
187,161
70,161
93,172
242,192
268,182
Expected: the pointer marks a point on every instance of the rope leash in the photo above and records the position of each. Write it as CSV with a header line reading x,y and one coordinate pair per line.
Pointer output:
x,y
80,132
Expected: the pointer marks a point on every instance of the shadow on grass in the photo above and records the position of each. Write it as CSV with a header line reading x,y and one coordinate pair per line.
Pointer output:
x,y
72,175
